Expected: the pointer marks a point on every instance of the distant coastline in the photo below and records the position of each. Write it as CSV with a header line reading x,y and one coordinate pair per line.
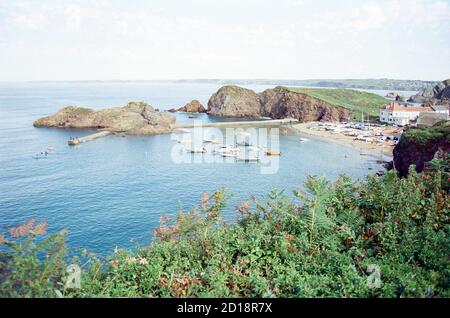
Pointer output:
x,y
374,84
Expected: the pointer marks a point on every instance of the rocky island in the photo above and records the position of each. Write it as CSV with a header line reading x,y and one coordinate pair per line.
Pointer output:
x,y
193,106
136,118
303,104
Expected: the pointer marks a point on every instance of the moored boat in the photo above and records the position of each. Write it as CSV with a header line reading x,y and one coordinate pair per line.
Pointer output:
x,y
197,150
248,159
273,153
211,141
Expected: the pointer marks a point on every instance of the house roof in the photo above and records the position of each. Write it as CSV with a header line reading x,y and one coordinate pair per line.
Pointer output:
x,y
428,119
439,107
426,115
405,108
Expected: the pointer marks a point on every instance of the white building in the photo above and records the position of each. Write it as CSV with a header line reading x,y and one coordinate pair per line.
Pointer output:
x,y
401,115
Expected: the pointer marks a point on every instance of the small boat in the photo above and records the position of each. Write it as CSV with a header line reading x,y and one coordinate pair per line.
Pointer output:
x,y
244,144
197,150
229,154
227,150
273,153
211,141
303,139
253,148
249,159
192,116
50,148
185,141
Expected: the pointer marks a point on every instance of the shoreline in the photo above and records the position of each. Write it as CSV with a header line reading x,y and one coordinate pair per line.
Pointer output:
x,y
372,149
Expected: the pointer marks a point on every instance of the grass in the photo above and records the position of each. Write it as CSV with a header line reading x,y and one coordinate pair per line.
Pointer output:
x,y
79,110
356,101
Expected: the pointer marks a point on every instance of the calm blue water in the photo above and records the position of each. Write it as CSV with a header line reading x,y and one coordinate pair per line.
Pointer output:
x,y
114,190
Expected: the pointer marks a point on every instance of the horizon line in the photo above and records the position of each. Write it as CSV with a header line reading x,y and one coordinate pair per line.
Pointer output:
x,y
214,79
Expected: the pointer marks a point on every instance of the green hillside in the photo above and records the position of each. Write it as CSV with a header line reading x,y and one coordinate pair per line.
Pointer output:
x,y
353,100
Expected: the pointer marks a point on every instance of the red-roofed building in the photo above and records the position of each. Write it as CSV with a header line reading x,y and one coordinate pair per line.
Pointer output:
x,y
400,114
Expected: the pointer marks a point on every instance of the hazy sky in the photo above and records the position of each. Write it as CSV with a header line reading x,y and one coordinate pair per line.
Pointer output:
x,y
280,39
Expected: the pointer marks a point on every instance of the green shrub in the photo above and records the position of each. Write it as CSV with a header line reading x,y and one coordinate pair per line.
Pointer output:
x,y
31,266
326,242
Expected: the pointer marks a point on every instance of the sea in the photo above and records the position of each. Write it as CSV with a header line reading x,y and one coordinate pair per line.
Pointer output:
x,y
112,192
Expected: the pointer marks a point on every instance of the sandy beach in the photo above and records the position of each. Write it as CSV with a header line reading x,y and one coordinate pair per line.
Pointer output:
x,y
373,148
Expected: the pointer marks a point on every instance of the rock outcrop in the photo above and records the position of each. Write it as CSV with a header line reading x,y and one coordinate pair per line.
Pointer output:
x,y
193,107
439,94
395,96
234,101
136,118
418,146
277,103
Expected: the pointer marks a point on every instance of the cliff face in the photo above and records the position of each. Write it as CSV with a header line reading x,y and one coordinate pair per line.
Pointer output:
x,y
277,103
281,103
234,101
436,95
418,146
135,118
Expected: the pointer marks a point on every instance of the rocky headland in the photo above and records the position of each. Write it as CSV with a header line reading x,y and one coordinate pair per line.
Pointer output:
x,y
395,96
439,94
136,118
419,146
281,102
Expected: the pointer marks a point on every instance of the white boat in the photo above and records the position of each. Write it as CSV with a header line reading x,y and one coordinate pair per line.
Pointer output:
x,y
253,148
211,141
185,141
227,150
303,139
197,150
249,159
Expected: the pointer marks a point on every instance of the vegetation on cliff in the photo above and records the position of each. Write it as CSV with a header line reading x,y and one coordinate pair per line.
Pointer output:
x,y
357,102
420,145
385,237
437,133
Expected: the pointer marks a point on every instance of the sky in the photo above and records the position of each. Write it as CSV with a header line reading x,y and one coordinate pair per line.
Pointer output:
x,y
230,39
